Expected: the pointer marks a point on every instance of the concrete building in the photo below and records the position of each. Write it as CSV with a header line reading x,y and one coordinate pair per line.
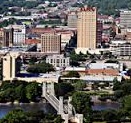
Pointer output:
x,y
7,37
65,37
125,18
86,28
72,19
51,43
105,18
116,66
95,74
19,35
40,31
11,64
122,50
1,36
58,60
128,35
99,32
11,68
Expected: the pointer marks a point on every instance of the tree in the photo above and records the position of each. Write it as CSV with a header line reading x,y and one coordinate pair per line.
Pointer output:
x,y
32,91
127,103
118,94
9,94
77,57
33,60
74,63
20,93
10,91
19,116
82,103
126,87
62,89
116,85
79,85
58,119
15,116
40,68
72,74
110,115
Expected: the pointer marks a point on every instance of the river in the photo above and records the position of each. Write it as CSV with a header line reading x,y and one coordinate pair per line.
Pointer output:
x,y
47,108
105,106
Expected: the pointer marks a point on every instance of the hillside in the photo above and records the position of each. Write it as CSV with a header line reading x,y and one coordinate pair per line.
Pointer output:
x,y
110,6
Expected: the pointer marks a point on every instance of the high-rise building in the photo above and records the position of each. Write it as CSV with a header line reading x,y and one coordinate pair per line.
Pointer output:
x,y
86,28
51,43
125,18
1,36
72,19
7,37
99,32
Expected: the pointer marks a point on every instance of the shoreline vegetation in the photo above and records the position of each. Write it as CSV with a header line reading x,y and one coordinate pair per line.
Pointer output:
x,y
44,101
21,92
21,116
19,103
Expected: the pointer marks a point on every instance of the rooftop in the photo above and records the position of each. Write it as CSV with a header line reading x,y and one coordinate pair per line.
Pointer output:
x,y
111,72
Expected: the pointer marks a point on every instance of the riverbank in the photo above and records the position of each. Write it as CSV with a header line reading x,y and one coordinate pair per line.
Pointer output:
x,y
20,103
99,106
45,107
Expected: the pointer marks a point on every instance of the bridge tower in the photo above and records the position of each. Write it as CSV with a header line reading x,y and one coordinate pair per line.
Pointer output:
x,y
66,111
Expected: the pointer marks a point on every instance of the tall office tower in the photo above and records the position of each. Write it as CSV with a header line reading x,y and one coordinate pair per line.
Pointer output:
x,y
86,28
51,43
99,33
1,36
125,18
72,19
8,37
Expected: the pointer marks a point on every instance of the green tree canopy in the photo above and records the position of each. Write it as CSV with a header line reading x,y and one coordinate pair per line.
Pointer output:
x,y
32,91
127,103
62,89
77,57
40,68
81,102
20,91
72,74
79,85
110,115
19,116
15,116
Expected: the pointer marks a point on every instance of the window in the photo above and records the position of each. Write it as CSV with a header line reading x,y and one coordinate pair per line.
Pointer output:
x,y
57,60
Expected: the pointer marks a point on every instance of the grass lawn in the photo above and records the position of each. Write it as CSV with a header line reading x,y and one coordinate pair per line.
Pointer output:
x,y
97,92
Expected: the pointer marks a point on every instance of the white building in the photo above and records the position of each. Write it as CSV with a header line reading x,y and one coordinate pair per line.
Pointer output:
x,y
58,60
19,35
122,50
125,18
105,66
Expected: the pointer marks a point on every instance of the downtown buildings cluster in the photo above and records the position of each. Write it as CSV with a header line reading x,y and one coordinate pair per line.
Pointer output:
x,y
81,29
